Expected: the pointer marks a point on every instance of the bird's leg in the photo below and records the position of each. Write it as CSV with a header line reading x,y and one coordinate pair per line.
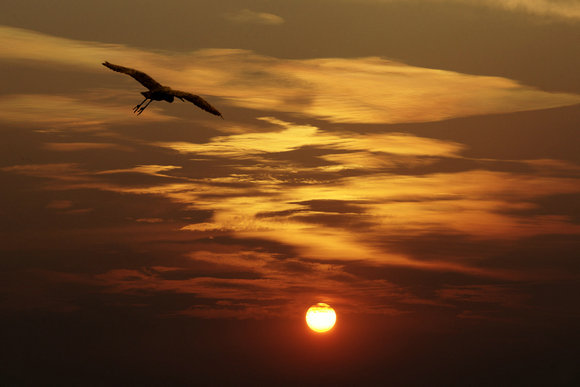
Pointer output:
x,y
138,106
143,107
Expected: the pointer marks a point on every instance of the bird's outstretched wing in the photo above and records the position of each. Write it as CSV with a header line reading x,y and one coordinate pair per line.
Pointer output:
x,y
140,76
197,101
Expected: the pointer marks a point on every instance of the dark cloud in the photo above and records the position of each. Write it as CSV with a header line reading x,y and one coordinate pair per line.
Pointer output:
x,y
550,256
26,208
354,222
230,243
221,271
136,179
566,205
514,136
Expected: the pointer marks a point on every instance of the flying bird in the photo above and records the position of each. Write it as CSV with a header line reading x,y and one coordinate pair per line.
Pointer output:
x,y
158,92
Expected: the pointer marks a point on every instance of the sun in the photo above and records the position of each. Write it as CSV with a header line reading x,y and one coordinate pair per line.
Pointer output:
x,y
320,317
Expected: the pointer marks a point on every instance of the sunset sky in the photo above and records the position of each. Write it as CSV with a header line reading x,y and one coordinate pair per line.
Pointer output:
x,y
415,164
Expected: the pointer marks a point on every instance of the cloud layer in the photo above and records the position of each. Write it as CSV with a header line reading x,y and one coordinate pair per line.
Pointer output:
x,y
353,181
361,90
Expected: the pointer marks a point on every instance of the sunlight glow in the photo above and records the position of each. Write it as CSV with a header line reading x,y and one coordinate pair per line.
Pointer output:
x,y
320,317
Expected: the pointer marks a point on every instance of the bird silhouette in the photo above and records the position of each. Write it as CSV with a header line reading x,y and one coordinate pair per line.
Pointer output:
x,y
158,92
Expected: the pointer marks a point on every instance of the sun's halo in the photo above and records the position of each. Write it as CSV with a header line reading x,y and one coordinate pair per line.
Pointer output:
x,y
320,317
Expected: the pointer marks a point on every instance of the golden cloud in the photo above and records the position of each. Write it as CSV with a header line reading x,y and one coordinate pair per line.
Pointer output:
x,y
358,90
150,169
64,112
478,204
475,203
296,136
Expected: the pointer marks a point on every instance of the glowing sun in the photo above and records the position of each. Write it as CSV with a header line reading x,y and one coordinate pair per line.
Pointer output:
x,y
320,317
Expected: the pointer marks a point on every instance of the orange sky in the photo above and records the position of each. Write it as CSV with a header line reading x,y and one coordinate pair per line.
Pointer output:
x,y
386,157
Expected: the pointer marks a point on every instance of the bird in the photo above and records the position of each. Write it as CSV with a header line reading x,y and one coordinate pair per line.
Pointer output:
x,y
158,92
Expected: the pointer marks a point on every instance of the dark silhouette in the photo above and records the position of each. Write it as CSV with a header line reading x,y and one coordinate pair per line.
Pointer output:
x,y
158,92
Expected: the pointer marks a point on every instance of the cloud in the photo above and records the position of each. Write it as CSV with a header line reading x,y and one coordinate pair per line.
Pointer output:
x,y
356,90
375,90
65,112
471,203
60,204
252,17
481,204
62,171
477,203
221,276
152,170
489,294
567,9
259,217
295,136
80,146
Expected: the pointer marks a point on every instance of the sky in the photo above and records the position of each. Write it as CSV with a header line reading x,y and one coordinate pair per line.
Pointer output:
x,y
415,164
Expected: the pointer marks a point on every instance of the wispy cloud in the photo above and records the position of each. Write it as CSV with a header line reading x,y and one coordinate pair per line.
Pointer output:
x,y
296,136
62,171
360,90
253,17
257,203
471,203
65,112
568,9
270,290
561,8
81,146
375,90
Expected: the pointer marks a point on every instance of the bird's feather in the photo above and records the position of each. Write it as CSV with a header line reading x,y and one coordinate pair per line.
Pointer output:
x,y
140,76
197,101
159,92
